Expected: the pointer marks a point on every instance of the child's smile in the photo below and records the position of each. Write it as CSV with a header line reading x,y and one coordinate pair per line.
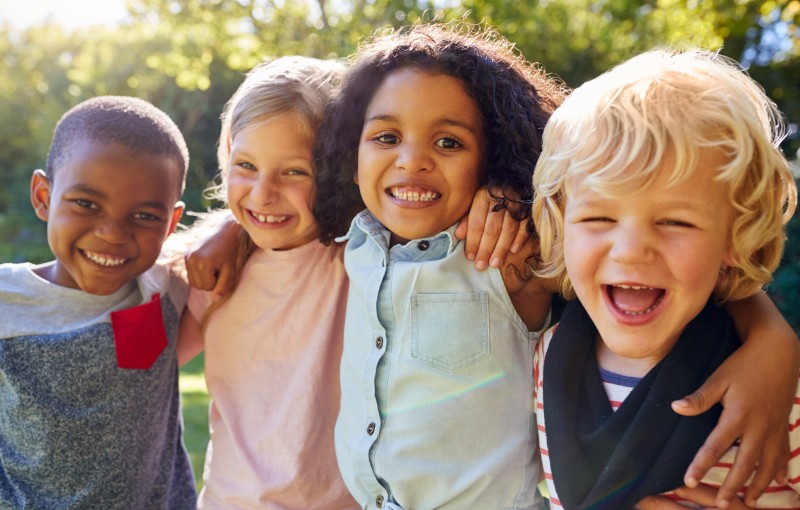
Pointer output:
x,y
632,301
644,263
271,182
420,155
108,211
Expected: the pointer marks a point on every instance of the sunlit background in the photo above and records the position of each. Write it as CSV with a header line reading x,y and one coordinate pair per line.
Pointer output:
x,y
188,56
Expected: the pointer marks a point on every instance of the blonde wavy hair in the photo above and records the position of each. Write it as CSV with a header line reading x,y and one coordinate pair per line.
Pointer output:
x,y
615,132
295,84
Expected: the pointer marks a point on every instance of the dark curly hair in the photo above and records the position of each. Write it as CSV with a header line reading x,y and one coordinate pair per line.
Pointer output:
x,y
129,121
515,99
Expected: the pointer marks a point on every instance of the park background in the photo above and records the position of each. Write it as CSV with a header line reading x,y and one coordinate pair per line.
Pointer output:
x,y
188,56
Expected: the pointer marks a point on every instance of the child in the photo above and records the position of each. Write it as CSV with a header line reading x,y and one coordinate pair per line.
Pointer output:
x,y
88,374
272,381
437,356
660,191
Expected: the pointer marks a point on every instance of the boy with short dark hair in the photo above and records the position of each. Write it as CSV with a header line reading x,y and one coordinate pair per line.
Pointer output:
x,y
89,402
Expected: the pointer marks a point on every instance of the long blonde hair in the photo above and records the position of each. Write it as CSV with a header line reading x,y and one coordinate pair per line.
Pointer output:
x,y
288,84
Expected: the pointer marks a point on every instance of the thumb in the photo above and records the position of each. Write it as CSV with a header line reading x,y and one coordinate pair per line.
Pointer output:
x,y
226,280
700,401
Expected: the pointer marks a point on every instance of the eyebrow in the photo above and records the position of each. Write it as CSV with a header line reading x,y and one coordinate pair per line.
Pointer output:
x,y
88,190
441,122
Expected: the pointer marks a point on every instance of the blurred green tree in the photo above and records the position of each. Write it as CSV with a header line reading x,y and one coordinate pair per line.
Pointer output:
x,y
188,56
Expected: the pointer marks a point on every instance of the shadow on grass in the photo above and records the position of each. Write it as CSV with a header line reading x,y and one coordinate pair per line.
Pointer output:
x,y
194,397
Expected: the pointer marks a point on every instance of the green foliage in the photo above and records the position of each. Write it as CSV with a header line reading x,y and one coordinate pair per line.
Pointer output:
x,y
194,400
188,56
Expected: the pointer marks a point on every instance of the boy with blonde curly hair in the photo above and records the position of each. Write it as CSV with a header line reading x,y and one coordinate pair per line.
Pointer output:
x,y
660,194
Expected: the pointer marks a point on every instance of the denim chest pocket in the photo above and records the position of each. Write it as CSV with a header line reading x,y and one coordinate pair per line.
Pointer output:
x,y
450,331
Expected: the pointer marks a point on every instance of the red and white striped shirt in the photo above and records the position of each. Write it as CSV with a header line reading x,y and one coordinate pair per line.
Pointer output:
x,y
619,387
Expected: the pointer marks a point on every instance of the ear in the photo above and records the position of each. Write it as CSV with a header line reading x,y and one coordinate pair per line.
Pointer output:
x,y
40,194
176,216
355,178
728,258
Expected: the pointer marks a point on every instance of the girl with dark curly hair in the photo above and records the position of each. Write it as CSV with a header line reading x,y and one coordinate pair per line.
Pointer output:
x,y
437,359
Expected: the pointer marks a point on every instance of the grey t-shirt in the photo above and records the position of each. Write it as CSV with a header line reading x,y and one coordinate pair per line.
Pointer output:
x,y
76,430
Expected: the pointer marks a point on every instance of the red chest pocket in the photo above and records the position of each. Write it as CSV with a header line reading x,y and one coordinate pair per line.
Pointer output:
x,y
139,334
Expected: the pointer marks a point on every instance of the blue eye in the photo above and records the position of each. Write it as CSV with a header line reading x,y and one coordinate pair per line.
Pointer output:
x,y
245,165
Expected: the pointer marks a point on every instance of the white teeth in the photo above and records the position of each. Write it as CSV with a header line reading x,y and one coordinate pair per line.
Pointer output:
x,y
103,260
632,287
270,218
414,196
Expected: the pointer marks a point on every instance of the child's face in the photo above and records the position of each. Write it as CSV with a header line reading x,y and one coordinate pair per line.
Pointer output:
x,y
108,211
645,264
420,153
271,183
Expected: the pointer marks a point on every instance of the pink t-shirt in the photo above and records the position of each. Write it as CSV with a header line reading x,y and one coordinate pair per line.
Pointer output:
x,y
272,355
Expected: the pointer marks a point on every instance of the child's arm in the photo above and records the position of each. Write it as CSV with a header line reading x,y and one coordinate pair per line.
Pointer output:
x,y
756,387
701,495
190,338
210,263
490,234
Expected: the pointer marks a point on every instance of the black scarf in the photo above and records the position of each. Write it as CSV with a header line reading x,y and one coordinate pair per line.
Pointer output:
x,y
608,460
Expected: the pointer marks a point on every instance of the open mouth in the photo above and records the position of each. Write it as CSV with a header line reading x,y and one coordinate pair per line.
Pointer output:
x,y
635,300
413,194
104,259
269,218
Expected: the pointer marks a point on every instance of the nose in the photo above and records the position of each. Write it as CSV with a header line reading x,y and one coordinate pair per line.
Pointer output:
x,y
112,230
266,190
631,244
413,157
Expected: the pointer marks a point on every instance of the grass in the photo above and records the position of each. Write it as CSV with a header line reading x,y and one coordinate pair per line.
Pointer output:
x,y
194,398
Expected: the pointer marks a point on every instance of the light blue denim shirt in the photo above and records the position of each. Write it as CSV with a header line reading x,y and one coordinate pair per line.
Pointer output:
x,y
437,379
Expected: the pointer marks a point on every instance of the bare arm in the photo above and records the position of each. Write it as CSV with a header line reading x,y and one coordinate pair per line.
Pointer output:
x,y
190,338
756,387
210,262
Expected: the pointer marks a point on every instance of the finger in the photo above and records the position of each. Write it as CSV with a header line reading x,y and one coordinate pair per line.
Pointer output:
x,y
718,442
771,465
706,496
521,238
508,232
475,223
461,229
702,399
200,273
226,280
658,503
490,236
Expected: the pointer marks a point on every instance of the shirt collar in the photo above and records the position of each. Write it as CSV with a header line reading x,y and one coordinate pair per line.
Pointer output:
x,y
366,224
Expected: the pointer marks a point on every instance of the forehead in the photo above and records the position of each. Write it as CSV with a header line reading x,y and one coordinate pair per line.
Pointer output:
x,y
119,171
700,167
424,94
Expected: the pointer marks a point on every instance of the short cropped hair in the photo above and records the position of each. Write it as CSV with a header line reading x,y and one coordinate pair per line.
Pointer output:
x,y
296,84
614,132
131,122
514,97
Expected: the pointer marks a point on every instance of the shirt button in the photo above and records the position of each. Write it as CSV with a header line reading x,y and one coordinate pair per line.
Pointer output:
x,y
379,342
371,428
423,245
379,501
